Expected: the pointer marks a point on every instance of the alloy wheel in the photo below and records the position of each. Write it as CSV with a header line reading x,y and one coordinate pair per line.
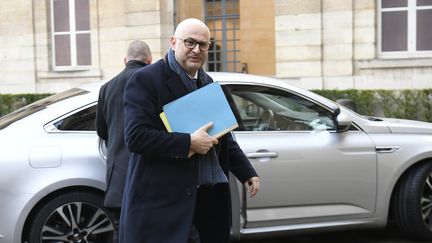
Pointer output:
x,y
77,222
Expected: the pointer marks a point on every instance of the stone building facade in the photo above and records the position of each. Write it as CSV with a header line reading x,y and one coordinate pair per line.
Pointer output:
x,y
52,45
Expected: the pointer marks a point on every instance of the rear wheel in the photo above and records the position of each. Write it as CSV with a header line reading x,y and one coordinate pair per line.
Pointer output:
x,y
72,217
413,202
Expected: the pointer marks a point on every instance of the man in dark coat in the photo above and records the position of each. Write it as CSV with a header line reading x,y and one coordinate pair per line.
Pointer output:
x,y
167,199
109,126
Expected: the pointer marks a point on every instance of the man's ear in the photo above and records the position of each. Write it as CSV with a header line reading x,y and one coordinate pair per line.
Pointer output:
x,y
173,42
125,60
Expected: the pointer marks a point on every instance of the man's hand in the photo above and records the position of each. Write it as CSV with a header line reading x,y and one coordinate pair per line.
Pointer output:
x,y
201,142
252,185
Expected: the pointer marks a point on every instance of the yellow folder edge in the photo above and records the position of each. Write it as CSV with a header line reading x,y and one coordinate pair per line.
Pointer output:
x,y
165,121
168,128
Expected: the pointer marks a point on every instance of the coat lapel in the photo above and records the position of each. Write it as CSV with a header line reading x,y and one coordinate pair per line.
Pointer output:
x,y
175,85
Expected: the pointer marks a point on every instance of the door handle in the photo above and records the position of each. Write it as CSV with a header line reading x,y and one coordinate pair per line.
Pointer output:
x,y
266,154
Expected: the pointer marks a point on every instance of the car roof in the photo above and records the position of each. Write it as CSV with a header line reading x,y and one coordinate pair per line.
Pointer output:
x,y
222,77
241,78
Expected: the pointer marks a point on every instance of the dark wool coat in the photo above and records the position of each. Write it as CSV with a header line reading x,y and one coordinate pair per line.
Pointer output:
x,y
109,127
161,198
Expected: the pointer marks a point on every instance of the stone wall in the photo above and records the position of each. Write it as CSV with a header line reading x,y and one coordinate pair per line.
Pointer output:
x,y
332,44
314,44
17,56
25,41
257,39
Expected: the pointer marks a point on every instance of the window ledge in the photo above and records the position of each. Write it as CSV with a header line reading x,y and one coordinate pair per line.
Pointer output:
x,y
394,63
71,68
94,72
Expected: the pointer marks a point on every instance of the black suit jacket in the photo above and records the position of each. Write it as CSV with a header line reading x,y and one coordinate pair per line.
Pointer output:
x,y
161,195
109,126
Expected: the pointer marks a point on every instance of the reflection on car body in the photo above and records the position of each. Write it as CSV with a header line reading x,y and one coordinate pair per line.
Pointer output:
x,y
322,166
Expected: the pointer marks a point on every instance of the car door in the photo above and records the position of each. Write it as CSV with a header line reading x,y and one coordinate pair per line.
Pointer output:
x,y
308,171
75,135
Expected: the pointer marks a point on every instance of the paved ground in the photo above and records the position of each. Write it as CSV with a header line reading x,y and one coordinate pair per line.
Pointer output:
x,y
365,236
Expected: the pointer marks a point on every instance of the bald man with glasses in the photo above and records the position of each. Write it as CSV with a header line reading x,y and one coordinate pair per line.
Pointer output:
x,y
168,198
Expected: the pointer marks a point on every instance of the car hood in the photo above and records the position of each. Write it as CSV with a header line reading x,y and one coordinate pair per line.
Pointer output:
x,y
404,126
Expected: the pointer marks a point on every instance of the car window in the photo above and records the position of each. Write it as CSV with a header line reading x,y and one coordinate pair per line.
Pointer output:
x,y
270,109
84,120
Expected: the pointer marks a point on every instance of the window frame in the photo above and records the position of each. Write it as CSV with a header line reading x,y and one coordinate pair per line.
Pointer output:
x,y
229,58
51,126
411,51
72,33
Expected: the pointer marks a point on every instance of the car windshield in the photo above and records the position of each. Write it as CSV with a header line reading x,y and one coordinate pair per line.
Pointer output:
x,y
27,110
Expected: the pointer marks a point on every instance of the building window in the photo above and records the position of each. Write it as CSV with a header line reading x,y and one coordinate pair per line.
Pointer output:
x,y
223,19
70,21
405,28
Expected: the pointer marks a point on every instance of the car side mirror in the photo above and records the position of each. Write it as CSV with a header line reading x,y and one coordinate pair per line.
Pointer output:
x,y
343,122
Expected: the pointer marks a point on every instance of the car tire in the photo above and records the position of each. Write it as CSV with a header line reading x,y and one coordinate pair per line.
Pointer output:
x,y
72,217
413,202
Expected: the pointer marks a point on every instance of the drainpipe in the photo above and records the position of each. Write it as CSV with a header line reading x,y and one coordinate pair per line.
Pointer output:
x,y
34,48
353,42
322,44
99,39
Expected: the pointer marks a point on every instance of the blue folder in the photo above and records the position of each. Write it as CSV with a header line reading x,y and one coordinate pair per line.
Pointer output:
x,y
194,110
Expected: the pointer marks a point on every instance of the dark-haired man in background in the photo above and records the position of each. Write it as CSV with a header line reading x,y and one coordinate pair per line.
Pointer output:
x,y
109,126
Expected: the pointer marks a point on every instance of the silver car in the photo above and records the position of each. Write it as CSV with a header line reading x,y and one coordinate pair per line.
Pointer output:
x,y
322,166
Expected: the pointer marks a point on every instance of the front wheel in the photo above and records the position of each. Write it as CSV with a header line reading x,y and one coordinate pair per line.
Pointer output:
x,y
413,202
72,217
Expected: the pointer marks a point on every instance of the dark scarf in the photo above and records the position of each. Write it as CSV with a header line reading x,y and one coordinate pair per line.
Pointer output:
x,y
209,170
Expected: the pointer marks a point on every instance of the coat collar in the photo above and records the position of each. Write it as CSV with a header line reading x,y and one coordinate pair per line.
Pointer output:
x,y
173,81
135,63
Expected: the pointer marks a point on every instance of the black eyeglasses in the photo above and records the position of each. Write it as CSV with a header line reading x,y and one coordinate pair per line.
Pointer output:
x,y
190,43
